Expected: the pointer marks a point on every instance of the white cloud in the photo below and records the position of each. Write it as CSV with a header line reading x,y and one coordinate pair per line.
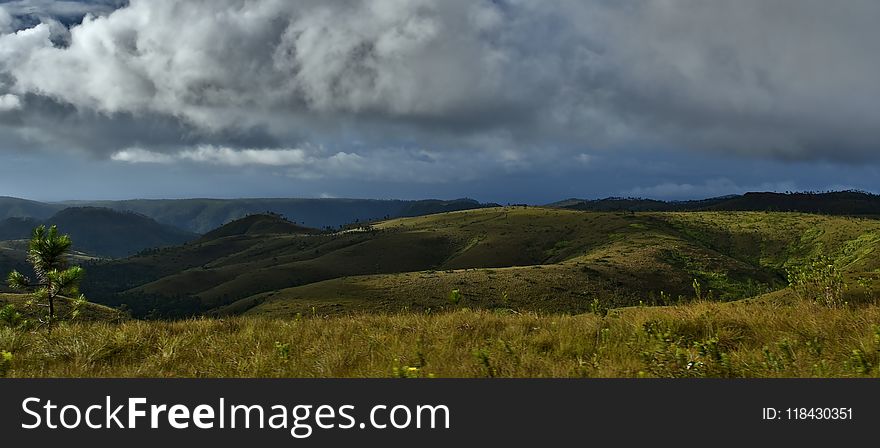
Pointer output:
x,y
232,157
216,155
9,102
140,155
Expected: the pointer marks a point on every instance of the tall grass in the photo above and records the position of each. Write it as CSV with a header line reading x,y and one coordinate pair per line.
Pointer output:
x,y
745,339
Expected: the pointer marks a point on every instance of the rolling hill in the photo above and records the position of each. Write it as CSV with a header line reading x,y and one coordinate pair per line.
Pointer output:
x,y
540,259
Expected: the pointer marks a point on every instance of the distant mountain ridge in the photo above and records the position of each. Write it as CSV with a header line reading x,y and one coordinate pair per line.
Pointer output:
x,y
830,203
23,208
101,231
204,215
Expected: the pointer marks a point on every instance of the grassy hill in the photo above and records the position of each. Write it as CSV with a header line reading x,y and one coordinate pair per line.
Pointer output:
x,y
531,259
551,261
258,225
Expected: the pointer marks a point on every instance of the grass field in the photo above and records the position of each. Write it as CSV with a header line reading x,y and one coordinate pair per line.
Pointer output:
x,y
773,337
538,293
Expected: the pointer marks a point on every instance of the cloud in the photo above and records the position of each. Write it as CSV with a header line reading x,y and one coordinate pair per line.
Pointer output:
x,y
140,155
216,155
9,102
396,165
527,83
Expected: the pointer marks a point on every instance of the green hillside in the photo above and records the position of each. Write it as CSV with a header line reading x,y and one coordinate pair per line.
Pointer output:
x,y
566,261
539,259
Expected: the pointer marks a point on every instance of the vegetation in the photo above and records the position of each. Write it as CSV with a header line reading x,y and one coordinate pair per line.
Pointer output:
x,y
819,281
47,253
494,292
556,261
771,338
525,258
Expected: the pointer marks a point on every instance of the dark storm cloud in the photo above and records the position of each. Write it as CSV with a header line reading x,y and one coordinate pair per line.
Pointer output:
x,y
408,88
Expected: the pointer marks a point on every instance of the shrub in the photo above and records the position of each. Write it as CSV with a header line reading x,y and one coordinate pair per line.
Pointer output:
x,y
819,281
10,317
455,297
670,356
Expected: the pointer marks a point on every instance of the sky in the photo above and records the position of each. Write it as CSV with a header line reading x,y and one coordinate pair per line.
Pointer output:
x,y
499,100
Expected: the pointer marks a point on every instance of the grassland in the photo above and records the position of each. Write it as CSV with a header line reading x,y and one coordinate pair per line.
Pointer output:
x,y
541,293
551,261
531,259
772,337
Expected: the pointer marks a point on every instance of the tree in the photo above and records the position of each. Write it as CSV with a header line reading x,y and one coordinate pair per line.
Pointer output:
x,y
47,252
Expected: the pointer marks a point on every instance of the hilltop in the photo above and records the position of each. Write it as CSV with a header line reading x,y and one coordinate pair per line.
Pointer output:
x,y
541,259
259,224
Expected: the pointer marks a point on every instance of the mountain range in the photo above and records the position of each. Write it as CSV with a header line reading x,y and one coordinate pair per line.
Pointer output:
x,y
122,228
830,203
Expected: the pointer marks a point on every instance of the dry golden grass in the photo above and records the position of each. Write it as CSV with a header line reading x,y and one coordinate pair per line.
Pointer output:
x,y
743,339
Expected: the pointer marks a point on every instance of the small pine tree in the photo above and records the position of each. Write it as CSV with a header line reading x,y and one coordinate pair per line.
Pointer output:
x,y
47,252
